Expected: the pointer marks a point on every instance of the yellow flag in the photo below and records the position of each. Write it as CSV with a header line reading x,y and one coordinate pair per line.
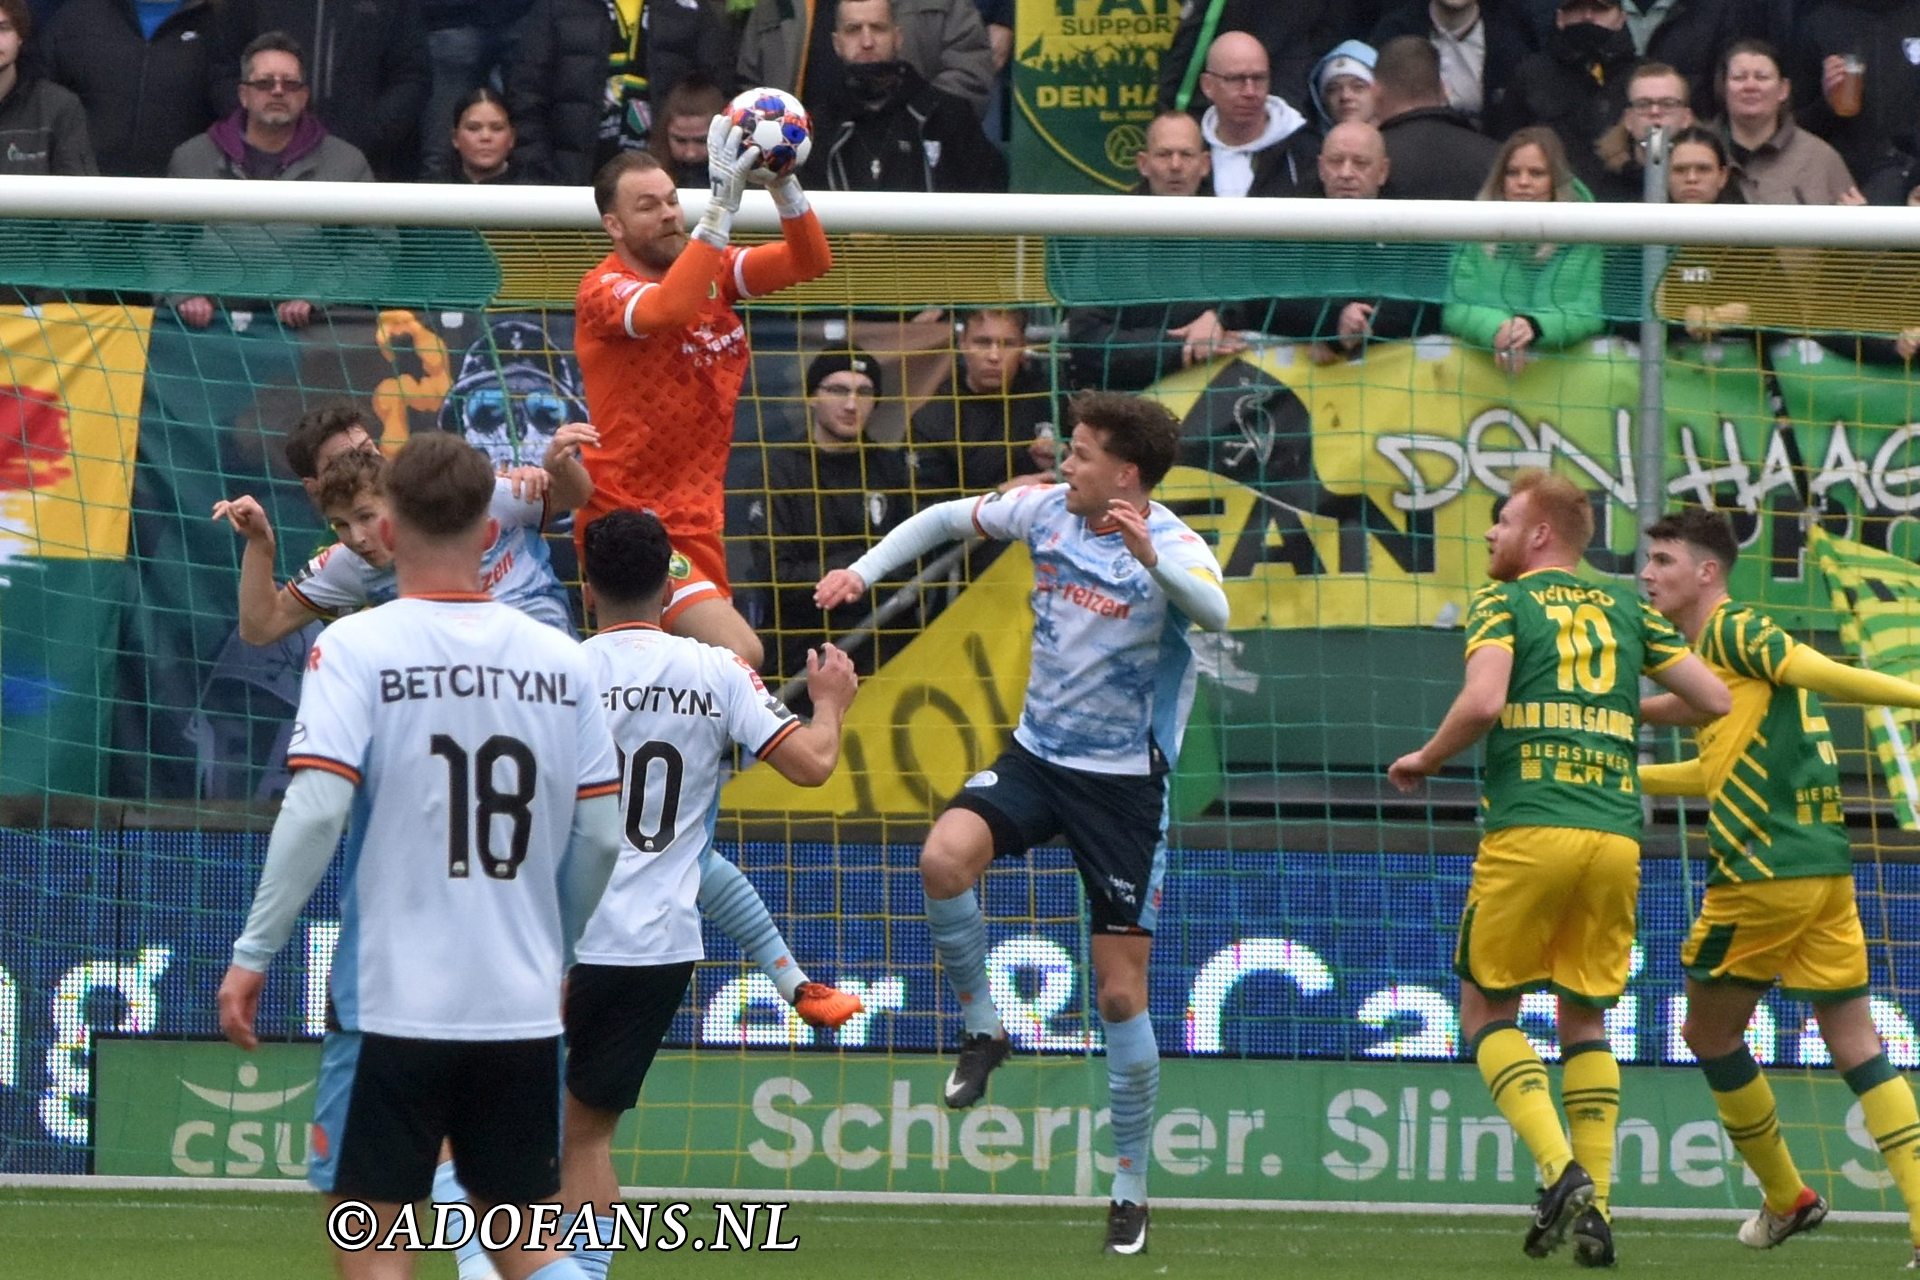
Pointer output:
x,y
70,386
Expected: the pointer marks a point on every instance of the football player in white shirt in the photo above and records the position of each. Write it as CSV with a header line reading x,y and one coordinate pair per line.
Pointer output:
x,y
676,707
355,571
441,721
347,494
1119,581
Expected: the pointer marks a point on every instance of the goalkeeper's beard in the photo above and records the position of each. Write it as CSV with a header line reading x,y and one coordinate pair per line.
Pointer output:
x,y
662,251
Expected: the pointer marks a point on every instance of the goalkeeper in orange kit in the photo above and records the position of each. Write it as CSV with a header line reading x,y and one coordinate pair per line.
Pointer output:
x,y
663,355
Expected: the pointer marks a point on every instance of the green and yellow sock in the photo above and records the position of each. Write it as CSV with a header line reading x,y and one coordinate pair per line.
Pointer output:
x,y
1747,1110
1590,1092
1518,1081
1892,1119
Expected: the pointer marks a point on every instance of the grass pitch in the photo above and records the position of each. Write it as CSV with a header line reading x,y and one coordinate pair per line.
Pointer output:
x,y
179,1235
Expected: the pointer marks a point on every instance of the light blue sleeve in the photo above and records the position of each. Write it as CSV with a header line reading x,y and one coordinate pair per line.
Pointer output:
x,y
304,838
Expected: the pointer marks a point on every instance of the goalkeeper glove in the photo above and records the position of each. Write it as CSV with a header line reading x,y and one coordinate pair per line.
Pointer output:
x,y
788,197
728,164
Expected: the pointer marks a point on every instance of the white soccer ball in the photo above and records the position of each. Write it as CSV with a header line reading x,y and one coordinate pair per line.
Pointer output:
x,y
774,121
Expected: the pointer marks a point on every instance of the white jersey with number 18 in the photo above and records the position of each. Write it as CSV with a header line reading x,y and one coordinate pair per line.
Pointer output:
x,y
675,706
469,731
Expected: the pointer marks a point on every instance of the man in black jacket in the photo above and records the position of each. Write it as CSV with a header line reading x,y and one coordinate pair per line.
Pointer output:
x,y
991,420
144,94
367,69
829,498
1434,153
1577,84
43,128
585,85
1258,143
884,127
1478,45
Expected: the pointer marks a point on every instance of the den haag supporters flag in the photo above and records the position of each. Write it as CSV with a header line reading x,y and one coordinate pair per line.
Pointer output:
x,y
1878,599
70,381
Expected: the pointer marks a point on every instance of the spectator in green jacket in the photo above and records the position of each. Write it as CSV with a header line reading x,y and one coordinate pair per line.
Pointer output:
x,y
1518,300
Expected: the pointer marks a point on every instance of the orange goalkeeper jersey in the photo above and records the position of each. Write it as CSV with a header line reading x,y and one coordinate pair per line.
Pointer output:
x,y
663,359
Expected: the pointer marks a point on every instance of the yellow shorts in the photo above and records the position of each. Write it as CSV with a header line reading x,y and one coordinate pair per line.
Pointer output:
x,y
1550,908
1804,933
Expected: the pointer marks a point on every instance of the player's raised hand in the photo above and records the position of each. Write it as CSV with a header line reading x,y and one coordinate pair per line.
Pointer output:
x,y
246,517
838,587
239,1003
1409,772
788,195
529,483
729,160
831,681
1133,530
569,439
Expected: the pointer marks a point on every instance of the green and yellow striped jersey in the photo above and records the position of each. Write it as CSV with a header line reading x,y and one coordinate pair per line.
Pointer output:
x,y
1773,787
1563,752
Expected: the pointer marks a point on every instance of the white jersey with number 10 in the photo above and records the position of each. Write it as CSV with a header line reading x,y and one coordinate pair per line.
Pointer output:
x,y
675,707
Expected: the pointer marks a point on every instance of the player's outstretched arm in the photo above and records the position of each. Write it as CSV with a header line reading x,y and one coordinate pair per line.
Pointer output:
x,y
803,252
1808,668
1697,686
939,524
1680,778
1474,711
571,485
305,835
267,613
807,756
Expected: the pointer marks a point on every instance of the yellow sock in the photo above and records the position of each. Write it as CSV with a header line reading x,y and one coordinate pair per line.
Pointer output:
x,y
1518,1081
1590,1092
1745,1103
1892,1119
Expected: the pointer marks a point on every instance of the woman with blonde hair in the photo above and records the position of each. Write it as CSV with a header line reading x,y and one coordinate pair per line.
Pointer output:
x,y
1516,299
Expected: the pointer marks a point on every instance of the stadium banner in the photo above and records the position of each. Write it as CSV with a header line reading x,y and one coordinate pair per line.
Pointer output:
x,y
1356,494
1344,496
1878,599
1085,79
939,711
70,397
759,1120
206,715
1287,955
70,383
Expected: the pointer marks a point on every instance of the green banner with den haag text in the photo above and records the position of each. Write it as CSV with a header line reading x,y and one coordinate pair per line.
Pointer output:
x,y
1085,75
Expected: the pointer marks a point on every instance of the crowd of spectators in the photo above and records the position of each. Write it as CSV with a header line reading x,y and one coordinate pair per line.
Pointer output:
x,y
1818,101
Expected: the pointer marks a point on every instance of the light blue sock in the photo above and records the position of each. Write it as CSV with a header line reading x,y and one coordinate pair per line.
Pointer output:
x,y
593,1263
471,1256
729,899
1133,1080
960,940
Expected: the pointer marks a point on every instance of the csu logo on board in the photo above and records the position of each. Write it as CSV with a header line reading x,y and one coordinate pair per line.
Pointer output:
x,y
256,1132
